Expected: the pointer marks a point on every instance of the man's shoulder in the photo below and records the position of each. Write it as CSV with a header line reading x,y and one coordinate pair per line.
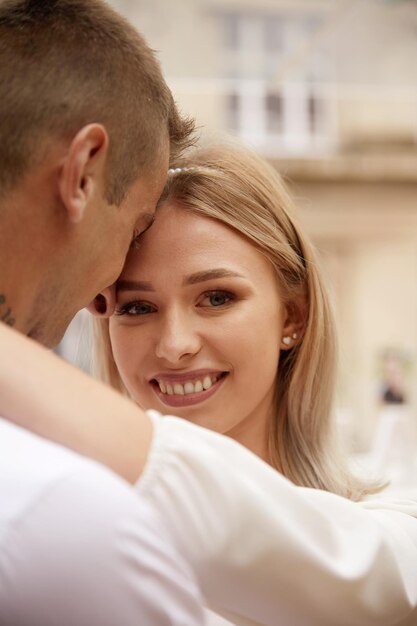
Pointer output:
x,y
77,542
36,473
61,512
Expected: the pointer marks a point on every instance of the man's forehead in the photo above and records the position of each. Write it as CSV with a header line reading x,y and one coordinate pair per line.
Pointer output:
x,y
145,193
144,203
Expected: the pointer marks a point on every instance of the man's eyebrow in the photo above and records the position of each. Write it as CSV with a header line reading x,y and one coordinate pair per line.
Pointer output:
x,y
133,285
219,272
148,218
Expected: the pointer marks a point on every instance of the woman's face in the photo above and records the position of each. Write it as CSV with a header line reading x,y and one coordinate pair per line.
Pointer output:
x,y
198,326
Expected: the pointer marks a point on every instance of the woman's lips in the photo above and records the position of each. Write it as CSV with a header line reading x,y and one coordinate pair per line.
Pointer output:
x,y
191,390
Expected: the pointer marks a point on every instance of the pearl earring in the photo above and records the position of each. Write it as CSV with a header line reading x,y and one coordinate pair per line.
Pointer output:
x,y
287,340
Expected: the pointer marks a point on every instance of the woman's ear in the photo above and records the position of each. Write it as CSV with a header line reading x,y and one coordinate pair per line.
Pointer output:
x,y
104,303
295,319
83,170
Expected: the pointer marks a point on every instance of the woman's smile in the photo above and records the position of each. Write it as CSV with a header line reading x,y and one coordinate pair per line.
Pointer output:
x,y
188,388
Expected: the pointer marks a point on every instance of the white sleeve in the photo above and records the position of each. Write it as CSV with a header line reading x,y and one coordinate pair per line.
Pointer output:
x,y
268,552
90,553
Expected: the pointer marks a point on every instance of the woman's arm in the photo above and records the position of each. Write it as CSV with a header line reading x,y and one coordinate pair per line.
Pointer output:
x,y
43,393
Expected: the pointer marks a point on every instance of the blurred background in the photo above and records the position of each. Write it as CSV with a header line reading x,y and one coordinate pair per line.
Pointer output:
x,y
327,91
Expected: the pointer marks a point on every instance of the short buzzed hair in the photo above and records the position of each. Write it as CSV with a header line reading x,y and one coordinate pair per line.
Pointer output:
x,y
68,63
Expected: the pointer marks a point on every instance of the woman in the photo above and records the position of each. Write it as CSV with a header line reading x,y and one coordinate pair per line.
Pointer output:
x,y
265,551
253,323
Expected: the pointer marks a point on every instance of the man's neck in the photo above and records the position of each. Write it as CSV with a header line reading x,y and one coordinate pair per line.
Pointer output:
x,y
6,312
19,278
22,253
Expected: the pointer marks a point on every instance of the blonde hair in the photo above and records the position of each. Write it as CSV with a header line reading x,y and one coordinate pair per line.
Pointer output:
x,y
241,190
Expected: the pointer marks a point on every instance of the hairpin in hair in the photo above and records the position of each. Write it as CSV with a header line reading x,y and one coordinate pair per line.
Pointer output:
x,y
176,170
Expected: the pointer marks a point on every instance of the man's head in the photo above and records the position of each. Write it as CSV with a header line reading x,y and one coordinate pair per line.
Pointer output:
x,y
67,63
87,125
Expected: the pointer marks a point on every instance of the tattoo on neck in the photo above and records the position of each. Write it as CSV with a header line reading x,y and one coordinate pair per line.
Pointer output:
x,y
6,312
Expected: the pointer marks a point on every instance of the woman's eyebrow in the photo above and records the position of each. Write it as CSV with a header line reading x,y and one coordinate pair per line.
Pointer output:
x,y
200,277
133,285
192,279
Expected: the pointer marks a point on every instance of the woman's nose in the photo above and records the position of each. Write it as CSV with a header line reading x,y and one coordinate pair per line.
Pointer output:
x,y
178,338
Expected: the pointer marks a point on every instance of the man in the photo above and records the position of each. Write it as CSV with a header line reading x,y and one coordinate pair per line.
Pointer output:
x,y
87,125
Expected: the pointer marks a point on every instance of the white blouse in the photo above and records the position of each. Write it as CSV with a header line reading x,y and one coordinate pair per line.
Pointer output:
x,y
267,552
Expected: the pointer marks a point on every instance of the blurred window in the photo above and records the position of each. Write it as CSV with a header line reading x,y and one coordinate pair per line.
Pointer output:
x,y
261,106
273,105
232,111
313,112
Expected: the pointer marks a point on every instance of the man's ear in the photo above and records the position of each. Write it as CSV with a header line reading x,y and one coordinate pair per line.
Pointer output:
x,y
104,303
83,169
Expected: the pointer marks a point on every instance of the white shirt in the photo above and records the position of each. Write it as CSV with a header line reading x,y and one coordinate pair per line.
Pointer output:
x,y
268,552
79,548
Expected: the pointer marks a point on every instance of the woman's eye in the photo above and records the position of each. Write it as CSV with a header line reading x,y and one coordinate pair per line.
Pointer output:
x,y
217,298
136,308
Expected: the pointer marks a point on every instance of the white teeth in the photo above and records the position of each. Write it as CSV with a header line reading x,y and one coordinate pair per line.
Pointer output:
x,y
189,387
207,382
